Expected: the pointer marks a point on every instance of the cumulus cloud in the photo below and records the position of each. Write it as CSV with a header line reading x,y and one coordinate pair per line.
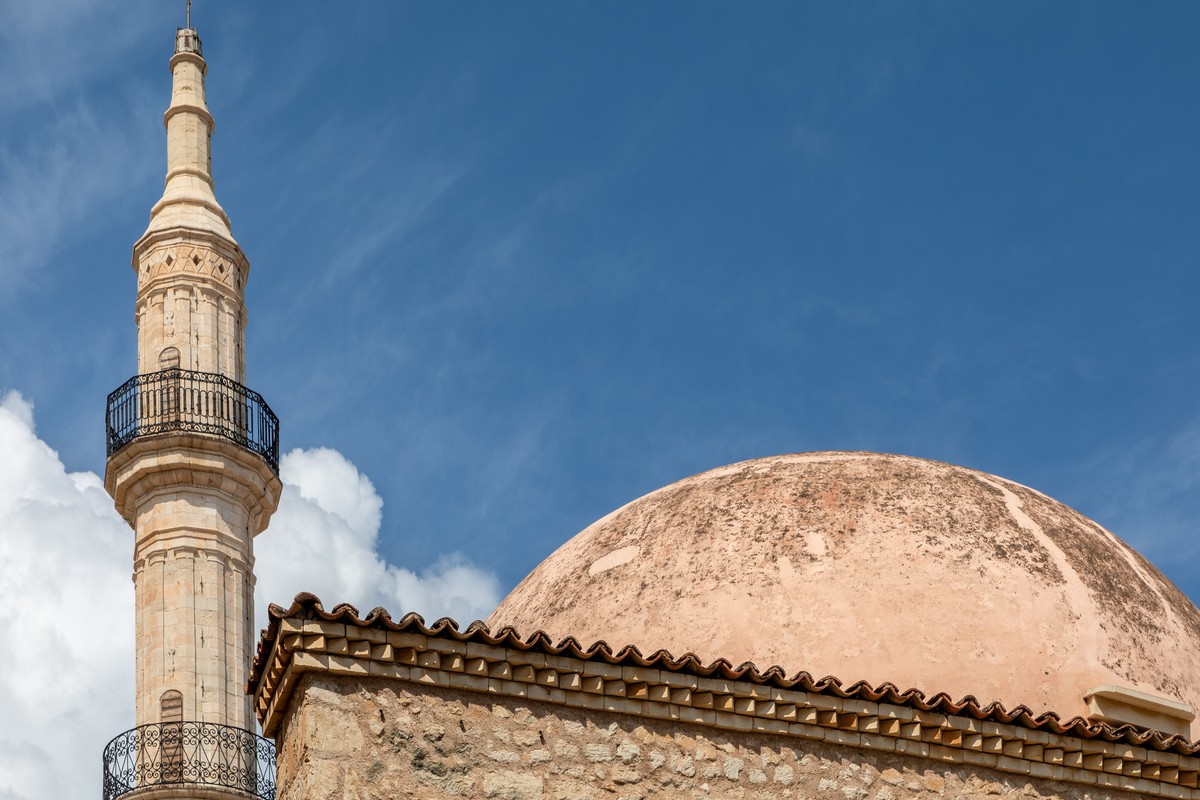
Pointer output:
x,y
323,539
66,617
66,599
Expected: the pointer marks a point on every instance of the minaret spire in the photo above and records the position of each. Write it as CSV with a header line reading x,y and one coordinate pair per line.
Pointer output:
x,y
189,234
188,198
189,14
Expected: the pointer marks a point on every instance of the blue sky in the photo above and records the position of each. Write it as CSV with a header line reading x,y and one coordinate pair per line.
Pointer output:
x,y
522,263
515,265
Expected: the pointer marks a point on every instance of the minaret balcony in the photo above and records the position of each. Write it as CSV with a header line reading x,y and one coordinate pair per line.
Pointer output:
x,y
185,401
166,759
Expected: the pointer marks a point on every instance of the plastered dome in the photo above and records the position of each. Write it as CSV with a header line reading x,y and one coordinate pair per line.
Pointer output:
x,y
875,567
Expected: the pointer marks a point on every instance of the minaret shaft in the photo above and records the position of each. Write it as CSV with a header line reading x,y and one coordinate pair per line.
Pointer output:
x,y
189,125
194,586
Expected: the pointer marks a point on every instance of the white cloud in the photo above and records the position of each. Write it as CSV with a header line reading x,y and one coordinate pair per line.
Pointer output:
x,y
323,540
71,122
67,622
66,630
1146,492
59,180
49,48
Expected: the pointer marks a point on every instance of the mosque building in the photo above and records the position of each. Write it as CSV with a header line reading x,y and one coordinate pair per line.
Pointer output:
x,y
825,625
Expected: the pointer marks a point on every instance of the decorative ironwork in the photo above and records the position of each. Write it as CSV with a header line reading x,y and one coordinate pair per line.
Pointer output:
x,y
196,402
196,753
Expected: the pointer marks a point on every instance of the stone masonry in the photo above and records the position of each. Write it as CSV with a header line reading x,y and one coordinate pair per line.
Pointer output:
x,y
374,738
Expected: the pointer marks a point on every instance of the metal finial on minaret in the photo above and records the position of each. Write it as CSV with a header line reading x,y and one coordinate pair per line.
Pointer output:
x,y
187,40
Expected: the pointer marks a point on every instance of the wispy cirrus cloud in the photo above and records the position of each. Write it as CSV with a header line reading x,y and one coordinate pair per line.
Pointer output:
x,y
1148,493
58,180
48,50
66,147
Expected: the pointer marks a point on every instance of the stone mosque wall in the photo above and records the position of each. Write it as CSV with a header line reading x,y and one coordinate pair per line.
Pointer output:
x,y
357,737
378,708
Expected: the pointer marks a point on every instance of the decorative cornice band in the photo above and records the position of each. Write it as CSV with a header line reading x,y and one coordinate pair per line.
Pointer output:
x,y
183,235
195,58
335,648
192,171
189,108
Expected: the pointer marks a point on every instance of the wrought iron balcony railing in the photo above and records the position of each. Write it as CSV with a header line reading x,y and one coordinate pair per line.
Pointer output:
x,y
195,402
189,753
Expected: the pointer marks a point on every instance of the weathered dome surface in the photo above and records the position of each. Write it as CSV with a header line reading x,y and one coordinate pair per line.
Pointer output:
x,y
876,567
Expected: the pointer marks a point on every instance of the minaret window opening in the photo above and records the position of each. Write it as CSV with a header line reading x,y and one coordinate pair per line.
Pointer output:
x,y
169,400
171,706
168,358
171,717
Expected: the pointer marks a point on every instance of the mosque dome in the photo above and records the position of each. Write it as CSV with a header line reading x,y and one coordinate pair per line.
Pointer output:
x,y
873,567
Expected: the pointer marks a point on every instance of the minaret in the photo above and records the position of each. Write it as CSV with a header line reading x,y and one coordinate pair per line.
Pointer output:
x,y
193,467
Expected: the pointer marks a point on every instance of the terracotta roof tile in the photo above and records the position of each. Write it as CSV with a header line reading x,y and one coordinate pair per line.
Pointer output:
x,y
308,606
